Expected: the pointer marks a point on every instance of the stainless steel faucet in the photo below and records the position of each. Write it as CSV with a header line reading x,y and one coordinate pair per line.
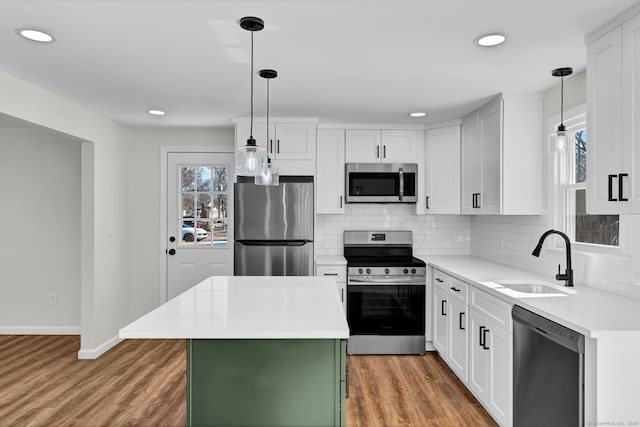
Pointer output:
x,y
568,273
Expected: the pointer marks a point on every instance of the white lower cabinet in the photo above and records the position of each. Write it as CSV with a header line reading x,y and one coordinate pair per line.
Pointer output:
x,y
339,272
490,357
472,332
450,322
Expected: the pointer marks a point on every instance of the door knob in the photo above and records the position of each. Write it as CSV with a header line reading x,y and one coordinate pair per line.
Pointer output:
x,y
171,251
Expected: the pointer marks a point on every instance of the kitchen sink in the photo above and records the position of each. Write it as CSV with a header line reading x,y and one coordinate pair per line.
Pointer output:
x,y
533,287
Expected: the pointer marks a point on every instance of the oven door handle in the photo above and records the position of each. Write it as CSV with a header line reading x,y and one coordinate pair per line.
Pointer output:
x,y
391,282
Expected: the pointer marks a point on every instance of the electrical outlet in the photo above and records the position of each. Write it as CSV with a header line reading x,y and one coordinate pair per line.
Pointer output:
x,y
53,299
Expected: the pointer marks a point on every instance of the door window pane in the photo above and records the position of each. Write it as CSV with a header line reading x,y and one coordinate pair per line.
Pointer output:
x,y
203,201
580,142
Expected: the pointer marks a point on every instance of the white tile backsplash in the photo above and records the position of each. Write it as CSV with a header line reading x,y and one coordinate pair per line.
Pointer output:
x,y
432,234
510,239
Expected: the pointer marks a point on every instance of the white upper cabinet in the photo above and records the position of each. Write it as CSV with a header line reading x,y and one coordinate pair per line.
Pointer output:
x,y
381,146
291,144
613,99
501,157
442,183
330,171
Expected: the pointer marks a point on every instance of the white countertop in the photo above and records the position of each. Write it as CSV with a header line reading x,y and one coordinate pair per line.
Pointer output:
x,y
330,260
592,312
248,307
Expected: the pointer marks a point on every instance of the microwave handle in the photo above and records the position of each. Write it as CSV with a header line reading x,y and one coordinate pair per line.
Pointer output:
x,y
401,177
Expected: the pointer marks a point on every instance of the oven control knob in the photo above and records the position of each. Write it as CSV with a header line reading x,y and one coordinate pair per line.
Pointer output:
x,y
359,271
386,271
368,271
413,271
405,271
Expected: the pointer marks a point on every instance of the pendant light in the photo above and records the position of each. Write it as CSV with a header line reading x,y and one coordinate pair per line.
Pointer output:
x,y
561,134
271,175
251,159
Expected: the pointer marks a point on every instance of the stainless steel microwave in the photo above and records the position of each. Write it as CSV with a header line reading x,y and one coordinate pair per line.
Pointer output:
x,y
381,182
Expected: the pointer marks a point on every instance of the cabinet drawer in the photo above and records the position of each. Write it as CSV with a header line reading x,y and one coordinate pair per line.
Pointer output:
x,y
459,290
440,279
496,310
340,273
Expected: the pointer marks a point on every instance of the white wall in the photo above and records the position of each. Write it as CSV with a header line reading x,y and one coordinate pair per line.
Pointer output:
x,y
510,239
143,205
103,259
432,234
40,229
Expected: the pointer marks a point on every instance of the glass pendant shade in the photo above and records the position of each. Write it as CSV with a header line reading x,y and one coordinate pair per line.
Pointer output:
x,y
251,159
271,175
561,139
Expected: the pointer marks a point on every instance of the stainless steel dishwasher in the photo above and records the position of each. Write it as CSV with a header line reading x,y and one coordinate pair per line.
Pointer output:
x,y
548,372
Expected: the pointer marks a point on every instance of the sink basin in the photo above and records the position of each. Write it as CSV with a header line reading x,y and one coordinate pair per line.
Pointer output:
x,y
533,287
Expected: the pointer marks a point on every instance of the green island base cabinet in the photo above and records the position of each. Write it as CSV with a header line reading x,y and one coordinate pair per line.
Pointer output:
x,y
266,382
261,351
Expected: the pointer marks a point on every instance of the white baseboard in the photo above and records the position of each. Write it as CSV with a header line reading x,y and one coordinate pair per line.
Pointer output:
x,y
94,353
39,330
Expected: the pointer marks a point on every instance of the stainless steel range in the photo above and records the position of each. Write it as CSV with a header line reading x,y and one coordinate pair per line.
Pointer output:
x,y
386,293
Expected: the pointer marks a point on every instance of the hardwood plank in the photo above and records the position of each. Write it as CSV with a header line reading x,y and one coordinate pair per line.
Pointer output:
x,y
143,383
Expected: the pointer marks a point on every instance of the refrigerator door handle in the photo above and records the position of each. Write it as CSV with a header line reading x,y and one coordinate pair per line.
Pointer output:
x,y
273,242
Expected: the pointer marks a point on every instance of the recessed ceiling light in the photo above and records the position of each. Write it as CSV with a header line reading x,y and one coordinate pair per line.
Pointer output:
x,y
490,40
35,35
156,112
418,114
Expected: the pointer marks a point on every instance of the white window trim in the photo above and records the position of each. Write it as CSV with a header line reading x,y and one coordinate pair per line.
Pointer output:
x,y
557,164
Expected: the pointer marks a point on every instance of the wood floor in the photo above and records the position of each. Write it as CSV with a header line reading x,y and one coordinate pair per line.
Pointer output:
x,y
143,383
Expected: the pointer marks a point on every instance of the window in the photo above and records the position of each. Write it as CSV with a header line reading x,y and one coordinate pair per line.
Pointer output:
x,y
571,177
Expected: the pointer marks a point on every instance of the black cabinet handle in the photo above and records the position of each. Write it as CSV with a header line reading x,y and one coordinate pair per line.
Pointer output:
x,y
271,146
475,200
484,339
460,325
443,305
377,151
620,190
454,289
481,337
277,146
610,197
384,151
171,251
340,202
439,280
342,294
427,202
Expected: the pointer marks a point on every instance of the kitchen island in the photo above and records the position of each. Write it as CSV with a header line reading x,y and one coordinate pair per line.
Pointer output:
x,y
260,350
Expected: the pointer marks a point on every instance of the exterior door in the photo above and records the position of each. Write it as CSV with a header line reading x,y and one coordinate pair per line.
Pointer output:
x,y
199,237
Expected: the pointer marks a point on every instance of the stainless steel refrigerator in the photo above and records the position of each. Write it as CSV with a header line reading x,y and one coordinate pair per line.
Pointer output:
x,y
274,228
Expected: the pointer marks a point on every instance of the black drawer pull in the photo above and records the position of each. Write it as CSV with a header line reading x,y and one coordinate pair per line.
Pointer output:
x,y
454,289
481,337
443,306
460,324
439,280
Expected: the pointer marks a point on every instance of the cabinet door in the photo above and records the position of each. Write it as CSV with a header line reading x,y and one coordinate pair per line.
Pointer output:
x,y
490,131
458,338
604,125
440,322
294,141
443,170
399,146
631,115
362,146
243,131
500,368
470,163
330,172
479,360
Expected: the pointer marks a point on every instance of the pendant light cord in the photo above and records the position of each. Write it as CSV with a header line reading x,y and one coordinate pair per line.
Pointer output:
x,y
251,126
268,115
561,101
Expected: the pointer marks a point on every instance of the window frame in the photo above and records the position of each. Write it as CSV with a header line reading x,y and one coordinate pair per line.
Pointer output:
x,y
560,167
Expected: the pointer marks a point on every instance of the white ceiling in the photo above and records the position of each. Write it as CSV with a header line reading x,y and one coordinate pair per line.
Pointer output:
x,y
363,61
